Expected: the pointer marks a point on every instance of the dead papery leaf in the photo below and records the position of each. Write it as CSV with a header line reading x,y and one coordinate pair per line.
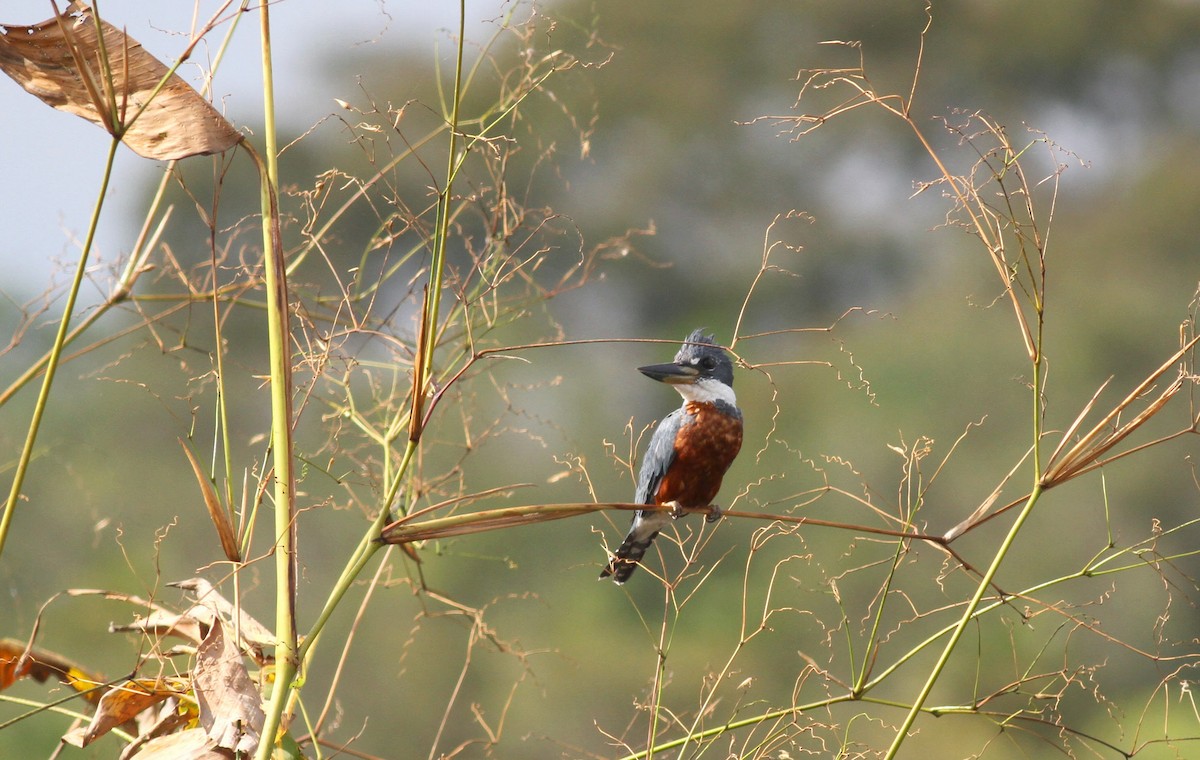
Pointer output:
x,y
192,624
403,531
192,744
17,663
171,715
187,625
230,706
216,511
122,703
255,638
62,63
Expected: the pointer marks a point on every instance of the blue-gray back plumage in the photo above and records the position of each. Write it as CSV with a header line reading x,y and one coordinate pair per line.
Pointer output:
x,y
647,523
659,456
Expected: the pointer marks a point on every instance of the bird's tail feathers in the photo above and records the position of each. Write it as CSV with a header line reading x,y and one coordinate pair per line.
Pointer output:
x,y
627,556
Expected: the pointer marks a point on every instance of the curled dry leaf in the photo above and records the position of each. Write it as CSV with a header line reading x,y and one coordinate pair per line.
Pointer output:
x,y
230,706
216,510
253,635
18,661
170,716
122,703
192,744
116,85
192,624
402,531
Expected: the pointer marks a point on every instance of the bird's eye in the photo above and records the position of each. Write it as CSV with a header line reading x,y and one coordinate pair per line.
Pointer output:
x,y
708,362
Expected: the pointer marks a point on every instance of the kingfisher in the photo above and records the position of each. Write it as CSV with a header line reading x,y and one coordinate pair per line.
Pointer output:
x,y
691,449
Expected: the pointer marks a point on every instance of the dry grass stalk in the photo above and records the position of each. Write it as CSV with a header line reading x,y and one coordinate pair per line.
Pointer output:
x,y
1107,433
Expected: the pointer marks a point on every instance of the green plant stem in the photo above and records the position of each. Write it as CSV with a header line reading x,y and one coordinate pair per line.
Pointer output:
x,y
60,340
358,560
660,672
872,642
986,581
968,614
281,414
442,231
1090,570
366,549
422,370
222,411
735,725
119,294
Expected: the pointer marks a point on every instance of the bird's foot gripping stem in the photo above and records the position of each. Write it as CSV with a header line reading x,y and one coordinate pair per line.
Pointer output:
x,y
714,512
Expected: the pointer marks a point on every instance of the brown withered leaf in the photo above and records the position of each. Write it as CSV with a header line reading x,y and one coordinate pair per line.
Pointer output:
x,y
230,706
121,703
158,620
216,510
192,624
192,744
254,637
61,62
40,665
171,715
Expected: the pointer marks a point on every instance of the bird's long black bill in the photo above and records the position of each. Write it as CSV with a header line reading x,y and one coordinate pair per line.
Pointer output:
x,y
673,374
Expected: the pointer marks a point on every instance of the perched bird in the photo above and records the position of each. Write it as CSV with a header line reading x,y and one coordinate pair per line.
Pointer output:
x,y
690,450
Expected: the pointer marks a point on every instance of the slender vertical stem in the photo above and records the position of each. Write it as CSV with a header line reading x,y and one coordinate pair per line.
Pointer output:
x,y
60,339
281,413
282,702
430,327
660,673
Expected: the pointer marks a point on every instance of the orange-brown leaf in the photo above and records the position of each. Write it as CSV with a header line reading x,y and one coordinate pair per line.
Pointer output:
x,y
121,703
216,511
41,665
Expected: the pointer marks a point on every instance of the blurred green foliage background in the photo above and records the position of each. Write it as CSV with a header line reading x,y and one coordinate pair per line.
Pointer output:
x,y
660,133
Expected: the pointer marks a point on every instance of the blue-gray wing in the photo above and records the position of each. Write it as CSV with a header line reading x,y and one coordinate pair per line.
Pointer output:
x,y
646,524
658,457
